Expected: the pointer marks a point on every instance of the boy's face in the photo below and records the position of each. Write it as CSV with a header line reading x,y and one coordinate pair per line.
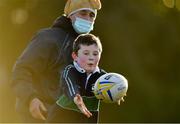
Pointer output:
x,y
88,57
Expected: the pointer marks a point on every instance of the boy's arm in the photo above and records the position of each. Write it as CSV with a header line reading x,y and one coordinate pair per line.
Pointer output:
x,y
69,82
71,89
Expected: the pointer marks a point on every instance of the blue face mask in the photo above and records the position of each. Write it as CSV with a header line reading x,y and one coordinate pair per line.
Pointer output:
x,y
82,26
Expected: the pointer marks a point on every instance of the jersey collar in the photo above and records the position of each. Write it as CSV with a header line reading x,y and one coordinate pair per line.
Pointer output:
x,y
82,70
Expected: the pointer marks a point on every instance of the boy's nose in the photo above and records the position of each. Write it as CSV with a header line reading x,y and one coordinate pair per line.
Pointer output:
x,y
91,58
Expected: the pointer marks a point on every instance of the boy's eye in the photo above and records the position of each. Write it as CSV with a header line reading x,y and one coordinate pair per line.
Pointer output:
x,y
95,54
86,53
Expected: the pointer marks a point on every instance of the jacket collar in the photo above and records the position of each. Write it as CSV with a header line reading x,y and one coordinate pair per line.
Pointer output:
x,y
76,65
64,23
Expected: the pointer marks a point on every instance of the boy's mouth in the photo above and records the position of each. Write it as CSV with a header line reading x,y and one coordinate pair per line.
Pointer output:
x,y
90,64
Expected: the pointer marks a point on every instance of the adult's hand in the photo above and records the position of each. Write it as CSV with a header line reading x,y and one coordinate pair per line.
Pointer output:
x,y
80,104
37,109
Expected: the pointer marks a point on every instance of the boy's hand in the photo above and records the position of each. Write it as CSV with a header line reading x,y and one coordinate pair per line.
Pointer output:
x,y
121,99
80,104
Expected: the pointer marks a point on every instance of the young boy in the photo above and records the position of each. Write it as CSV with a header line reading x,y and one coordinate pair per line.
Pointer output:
x,y
77,81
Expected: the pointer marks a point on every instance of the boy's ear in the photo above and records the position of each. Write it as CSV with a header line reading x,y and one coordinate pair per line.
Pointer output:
x,y
74,56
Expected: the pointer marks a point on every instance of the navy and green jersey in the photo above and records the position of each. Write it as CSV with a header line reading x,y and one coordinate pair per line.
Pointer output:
x,y
74,80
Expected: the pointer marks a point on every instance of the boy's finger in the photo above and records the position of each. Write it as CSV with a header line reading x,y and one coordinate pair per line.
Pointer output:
x,y
122,99
85,112
88,113
119,102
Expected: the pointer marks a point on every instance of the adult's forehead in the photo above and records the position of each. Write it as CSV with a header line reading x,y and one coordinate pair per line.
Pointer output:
x,y
88,11
84,10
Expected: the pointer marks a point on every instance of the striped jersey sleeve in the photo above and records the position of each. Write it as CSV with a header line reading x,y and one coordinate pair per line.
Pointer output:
x,y
69,82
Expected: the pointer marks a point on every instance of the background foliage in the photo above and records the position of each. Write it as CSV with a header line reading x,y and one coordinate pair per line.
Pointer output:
x,y
140,39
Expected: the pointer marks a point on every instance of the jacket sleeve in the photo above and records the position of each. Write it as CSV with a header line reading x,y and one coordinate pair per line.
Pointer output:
x,y
69,82
31,64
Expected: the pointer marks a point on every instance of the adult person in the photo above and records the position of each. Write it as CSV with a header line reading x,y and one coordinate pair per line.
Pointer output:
x,y
35,77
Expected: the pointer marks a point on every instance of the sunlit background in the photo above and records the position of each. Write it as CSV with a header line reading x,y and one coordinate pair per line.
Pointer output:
x,y
141,40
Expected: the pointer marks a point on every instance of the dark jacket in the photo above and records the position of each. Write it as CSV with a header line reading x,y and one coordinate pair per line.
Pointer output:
x,y
36,72
74,80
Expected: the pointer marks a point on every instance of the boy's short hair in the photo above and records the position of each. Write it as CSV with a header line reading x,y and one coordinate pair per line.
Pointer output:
x,y
86,39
